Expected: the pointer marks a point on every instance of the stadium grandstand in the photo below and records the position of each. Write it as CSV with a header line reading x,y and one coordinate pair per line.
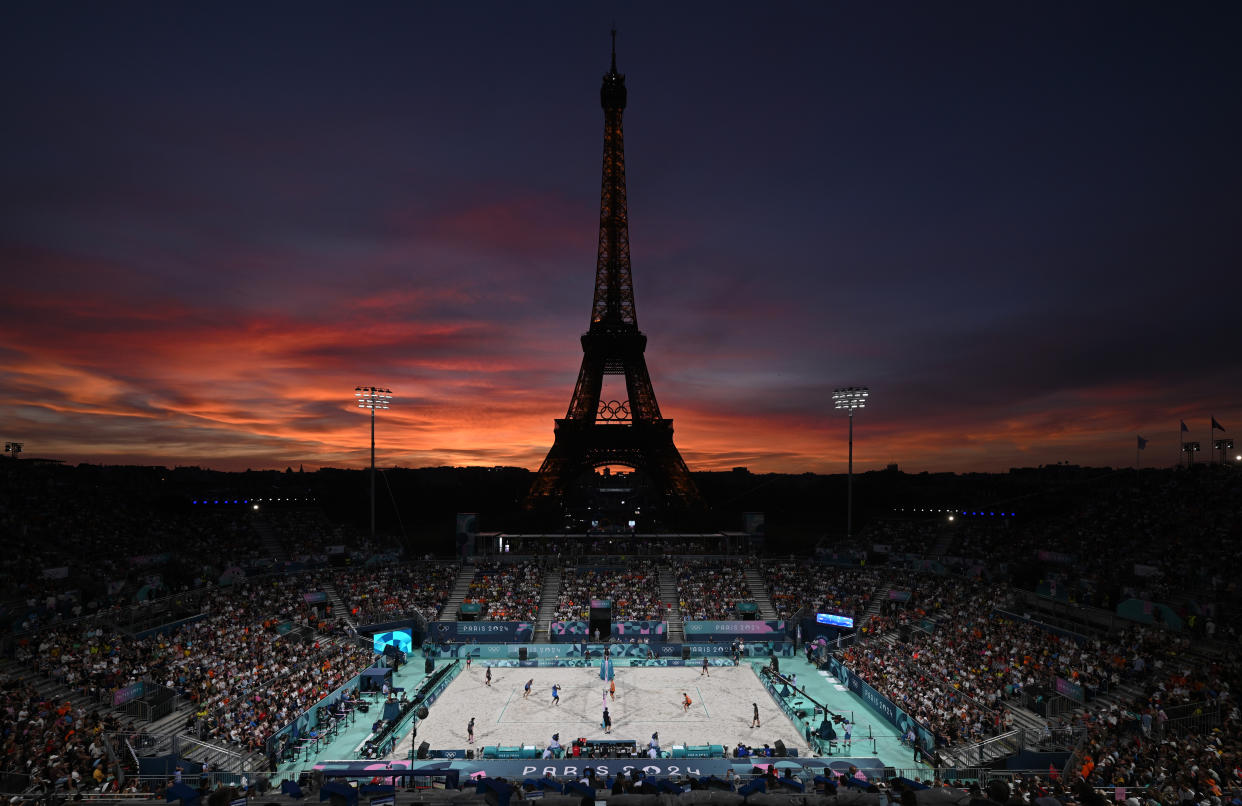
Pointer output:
x,y
214,640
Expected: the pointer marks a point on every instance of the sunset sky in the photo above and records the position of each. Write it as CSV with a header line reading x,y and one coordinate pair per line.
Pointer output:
x,y
1019,223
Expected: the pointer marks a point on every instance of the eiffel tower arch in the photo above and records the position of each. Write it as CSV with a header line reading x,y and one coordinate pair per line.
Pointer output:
x,y
595,432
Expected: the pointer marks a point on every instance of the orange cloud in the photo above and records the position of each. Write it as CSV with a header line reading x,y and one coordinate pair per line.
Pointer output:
x,y
94,375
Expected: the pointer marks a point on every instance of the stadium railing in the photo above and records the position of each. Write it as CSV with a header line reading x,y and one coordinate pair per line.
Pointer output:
x,y
1049,706
990,749
157,701
1074,757
1193,718
147,745
1060,739
226,759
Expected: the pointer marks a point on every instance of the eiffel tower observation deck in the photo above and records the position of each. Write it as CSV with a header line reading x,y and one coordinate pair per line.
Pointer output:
x,y
597,433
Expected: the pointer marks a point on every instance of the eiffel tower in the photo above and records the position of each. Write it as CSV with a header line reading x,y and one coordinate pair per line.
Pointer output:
x,y
596,433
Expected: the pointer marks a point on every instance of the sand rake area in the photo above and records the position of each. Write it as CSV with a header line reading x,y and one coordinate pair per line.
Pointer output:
x,y
648,700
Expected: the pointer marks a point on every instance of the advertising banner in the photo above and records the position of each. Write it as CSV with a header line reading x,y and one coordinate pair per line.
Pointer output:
x,y
128,693
518,769
591,654
1068,688
580,651
482,631
882,705
653,631
1058,557
734,629
750,649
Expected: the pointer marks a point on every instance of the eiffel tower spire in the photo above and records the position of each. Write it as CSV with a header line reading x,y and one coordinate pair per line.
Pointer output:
x,y
614,290
632,432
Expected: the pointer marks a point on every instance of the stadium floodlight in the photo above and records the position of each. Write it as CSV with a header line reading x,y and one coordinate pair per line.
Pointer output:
x,y
848,399
373,397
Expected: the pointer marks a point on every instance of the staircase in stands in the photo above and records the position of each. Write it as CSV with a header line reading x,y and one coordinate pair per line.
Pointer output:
x,y
759,593
878,597
267,537
943,544
339,609
668,595
461,587
547,606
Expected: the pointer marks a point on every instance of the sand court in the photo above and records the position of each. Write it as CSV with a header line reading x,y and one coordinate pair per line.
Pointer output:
x,y
648,700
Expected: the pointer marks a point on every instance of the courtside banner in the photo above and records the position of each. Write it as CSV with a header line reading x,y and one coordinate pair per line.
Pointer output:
x,y
709,630
653,631
518,769
500,632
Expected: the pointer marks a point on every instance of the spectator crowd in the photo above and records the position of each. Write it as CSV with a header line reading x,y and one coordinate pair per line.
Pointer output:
x,y
710,590
508,591
633,589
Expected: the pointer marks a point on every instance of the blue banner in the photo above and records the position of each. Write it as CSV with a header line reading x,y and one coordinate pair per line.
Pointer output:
x,y
734,629
751,649
489,631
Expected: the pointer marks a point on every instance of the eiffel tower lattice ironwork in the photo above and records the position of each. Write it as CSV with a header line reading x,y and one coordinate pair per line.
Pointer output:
x,y
595,433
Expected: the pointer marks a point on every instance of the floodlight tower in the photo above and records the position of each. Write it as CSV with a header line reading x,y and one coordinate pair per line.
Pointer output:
x,y
372,397
848,399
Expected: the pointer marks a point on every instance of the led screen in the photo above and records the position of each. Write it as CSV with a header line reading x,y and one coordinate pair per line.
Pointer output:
x,y
399,638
